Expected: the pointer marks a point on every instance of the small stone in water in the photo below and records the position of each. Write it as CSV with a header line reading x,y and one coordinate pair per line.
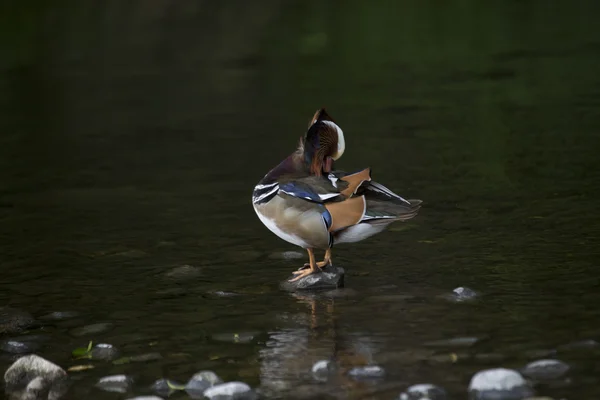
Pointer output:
x,y
93,329
580,345
166,387
115,383
14,321
543,370
60,315
146,357
18,347
424,392
461,294
184,272
104,351
145,398
367,372
498,383
202,381
230,391
321,370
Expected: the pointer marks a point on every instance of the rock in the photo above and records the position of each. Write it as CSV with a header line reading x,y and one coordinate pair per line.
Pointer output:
x,y
30,376
166,387
93,329
184,272
461,294
105,351
499,383
202,381
580,345
287,255
322,370
367,372
230,391
146,357
145,398
221,293
15,321
243,337
545,370
424,392
115,383
329,278
19,347
454,342
60,315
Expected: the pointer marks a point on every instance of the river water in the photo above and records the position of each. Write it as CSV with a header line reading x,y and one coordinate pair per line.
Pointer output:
x,y
132,134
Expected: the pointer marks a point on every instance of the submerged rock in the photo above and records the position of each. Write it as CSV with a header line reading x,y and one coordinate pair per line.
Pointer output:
x,y
580,345
322,370
15,346
202,381
461,294
115,383
230,391
15,321
499,383
330,277
145,398
184,272
105,351
545,370
31,376
367,372
166,387
454,342
93,329
60,315
424,392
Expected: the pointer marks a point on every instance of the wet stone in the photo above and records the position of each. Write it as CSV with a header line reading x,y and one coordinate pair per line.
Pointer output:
x,y
424,392
19,347
166,387
499,383
145,398
202,381
93,329
32,374
367,372
105,351
115,383
60,315
461,294
322,370
329,278
15,321
545,370
230,391
184,272
580,345
146,357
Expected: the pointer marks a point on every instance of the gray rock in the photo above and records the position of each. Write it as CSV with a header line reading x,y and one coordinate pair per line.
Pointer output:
x,y
545,370
461,294
60,315
115,383
580,345
166,387
15,346
184,272
230,391
145,398
202,381
31,376
329,278
15,321
367,372
322,370
93,329
105,351
424,392
499,384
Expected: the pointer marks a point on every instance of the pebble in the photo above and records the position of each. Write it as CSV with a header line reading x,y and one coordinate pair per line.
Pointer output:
x,y
230,391
544,370
93,329
166,387
184,272
322,370
461,294
115,383
367,372
105,351
424,392
499,383
13,320
202,381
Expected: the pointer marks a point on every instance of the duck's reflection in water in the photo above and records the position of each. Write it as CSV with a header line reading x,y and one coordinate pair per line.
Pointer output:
x,y
290,353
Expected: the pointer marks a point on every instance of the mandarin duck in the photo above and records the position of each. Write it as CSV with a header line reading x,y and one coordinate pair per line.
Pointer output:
x,y
306,202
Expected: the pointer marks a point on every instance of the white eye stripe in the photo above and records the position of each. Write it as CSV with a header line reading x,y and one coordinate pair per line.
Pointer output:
x,y
341,142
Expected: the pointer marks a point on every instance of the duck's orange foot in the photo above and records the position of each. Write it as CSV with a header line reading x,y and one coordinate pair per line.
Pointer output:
x,y
320,264
302,273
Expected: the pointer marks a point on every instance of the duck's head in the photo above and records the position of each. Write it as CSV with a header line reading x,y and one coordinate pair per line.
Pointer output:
x,y
323,143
